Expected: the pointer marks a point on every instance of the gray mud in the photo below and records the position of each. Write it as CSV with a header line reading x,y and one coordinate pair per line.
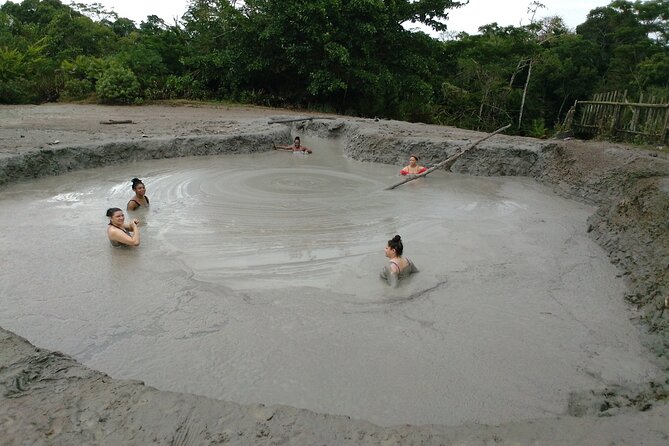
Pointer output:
x,y
516,314
257,281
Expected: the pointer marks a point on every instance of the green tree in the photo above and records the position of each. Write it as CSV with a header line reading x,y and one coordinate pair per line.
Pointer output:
x,y
654,72
626,34
169,41
487,67
71,34
22,78
62,34
350,56
564,74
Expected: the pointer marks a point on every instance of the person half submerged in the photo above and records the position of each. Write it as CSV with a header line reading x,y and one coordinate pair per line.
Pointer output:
x,y
119,232
413,168
398,267
140,198
296,147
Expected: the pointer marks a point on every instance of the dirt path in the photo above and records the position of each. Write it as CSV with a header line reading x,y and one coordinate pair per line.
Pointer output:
x,y
48,398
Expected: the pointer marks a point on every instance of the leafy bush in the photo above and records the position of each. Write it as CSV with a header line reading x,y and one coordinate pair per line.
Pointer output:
x,y
24,75
538,129
184,87
260,97
176,87
85,67
118,85
16,91
76,89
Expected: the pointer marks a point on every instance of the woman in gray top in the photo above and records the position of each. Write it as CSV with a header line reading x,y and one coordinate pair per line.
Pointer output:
x,y
398,267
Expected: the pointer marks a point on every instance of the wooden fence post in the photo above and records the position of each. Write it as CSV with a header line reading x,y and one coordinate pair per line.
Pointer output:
x,y
665,138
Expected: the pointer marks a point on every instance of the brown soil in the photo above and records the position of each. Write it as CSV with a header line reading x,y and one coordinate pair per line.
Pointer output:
x,y
48,398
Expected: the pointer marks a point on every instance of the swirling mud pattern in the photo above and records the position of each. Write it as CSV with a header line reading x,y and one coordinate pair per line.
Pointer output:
x,y
257,280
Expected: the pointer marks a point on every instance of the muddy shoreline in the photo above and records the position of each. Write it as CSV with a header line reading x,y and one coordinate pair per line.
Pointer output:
x,y
48,398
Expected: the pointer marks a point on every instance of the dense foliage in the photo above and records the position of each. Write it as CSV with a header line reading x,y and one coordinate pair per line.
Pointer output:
x,y
349,56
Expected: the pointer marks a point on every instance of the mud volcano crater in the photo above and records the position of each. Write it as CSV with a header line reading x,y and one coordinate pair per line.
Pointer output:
x,y
256,281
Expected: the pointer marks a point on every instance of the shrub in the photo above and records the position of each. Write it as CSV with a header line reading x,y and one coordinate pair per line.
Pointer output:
x,y
185,87
118,85
77,89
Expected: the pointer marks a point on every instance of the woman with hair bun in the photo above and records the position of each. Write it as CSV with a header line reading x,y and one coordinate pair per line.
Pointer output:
x,y
398,267
139,199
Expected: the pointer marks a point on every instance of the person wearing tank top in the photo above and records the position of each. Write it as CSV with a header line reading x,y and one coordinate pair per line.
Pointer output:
x,y
140,199
398,267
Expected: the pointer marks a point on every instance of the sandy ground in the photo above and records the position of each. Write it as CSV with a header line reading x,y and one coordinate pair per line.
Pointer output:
x,y
47,398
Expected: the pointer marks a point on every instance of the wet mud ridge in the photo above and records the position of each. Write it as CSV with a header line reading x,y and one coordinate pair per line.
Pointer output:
x,y
48,398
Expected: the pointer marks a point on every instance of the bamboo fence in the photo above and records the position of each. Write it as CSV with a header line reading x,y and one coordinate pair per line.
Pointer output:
x,y
610,115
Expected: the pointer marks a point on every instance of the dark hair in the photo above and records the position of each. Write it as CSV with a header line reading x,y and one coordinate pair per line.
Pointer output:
x,y
297,138
111,211
396,244
414,156
136,182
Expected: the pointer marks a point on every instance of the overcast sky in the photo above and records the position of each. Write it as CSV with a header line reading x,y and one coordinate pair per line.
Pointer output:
x,y
467,18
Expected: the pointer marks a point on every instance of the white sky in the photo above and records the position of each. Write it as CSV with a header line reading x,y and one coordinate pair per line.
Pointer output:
x,y
467,18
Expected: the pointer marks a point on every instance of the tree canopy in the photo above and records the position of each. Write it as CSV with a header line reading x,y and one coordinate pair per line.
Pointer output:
x,y
356,57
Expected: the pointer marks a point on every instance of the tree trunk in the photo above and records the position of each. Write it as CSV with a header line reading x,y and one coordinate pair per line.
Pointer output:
x,y
522,102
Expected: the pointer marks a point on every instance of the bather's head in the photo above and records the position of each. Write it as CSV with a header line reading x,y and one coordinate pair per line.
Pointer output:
x,y
297,142
116,216
138,187
394,247
413,160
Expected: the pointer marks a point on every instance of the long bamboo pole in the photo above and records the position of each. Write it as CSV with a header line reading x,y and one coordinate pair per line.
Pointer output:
x,y
281,121
450,160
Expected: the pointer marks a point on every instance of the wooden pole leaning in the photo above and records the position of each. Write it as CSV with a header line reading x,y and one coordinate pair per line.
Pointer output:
x,y
448,161
111,121
283,121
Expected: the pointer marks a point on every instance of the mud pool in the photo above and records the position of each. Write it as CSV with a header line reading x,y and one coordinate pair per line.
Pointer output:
x,y
257,281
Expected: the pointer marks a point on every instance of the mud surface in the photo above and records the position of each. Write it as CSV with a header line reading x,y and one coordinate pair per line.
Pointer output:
x,y
622,193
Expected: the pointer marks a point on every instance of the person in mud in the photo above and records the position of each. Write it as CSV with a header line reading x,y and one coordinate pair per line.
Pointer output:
x,y
296,147
413,168
119,232
398,267
140,199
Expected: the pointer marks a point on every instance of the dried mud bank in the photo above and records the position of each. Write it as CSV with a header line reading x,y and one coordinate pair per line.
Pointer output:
x,y
83,156
48,398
